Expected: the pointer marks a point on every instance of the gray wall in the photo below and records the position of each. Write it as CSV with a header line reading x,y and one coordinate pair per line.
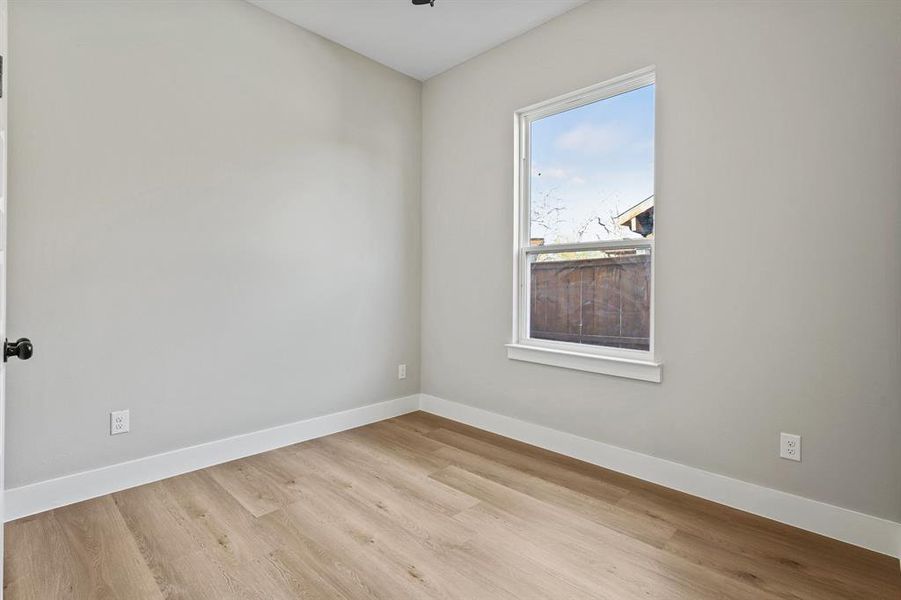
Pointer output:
x,y
214,223
779,263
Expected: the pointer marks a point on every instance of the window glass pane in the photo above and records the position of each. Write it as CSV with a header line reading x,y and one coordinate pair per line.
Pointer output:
x,y
592,171
600,297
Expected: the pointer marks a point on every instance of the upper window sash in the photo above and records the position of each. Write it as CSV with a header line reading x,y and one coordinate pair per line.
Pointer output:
x,y
525,116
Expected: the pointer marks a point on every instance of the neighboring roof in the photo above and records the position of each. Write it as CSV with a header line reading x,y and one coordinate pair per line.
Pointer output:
x,y
628,215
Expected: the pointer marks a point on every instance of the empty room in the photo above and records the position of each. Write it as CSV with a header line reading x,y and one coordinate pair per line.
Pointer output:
x,y
371,299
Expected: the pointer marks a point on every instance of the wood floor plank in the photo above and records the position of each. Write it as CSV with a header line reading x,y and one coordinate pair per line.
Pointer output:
x,y
576,481
420,422
255,487
431,553
425,508
779,578
100,539
299,552
393,472
566,528
413,450
202,576
161,530
420,507
652,531
297,579
40,563
765,545
445,553
217,521
369,559
604,573
543,457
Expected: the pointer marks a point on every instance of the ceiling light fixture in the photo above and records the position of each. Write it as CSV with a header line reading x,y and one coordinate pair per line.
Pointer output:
x,y
422,2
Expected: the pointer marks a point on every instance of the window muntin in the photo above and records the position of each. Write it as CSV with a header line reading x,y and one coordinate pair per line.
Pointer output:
x,y
586,240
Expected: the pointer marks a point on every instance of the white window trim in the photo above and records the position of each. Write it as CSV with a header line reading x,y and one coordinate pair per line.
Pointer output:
x,y
634,364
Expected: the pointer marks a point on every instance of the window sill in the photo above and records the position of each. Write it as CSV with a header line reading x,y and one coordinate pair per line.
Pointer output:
x,y
593,363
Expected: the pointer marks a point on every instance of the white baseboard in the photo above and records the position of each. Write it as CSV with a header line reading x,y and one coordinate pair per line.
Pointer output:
x,y
53,493
842,524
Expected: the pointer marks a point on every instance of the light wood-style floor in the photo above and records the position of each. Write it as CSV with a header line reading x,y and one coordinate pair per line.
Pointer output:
x,y
422,507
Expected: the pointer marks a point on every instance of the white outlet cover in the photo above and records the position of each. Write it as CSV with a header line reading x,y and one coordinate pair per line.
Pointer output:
x,y
401,371
118,422
790,446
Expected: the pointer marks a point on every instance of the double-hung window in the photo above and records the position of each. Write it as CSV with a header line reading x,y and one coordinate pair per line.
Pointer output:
x,y
584,263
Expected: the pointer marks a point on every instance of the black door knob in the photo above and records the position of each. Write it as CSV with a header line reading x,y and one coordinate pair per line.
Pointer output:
x,y
22,348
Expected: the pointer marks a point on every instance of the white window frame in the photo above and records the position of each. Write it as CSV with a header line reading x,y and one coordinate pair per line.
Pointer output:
x,y
623,362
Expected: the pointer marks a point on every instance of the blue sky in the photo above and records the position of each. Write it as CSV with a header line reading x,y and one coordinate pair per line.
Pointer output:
x,y
593,161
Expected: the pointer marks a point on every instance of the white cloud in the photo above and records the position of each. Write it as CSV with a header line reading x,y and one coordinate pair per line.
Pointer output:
x,y
550,173
592,139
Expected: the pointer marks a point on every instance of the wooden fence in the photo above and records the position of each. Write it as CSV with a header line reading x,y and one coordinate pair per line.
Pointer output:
x,y
601,301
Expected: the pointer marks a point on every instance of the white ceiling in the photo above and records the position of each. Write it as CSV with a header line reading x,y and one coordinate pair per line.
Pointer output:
x,y
420,41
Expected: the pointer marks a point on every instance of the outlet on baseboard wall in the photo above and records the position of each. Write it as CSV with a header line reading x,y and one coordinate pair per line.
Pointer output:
x,y
790,446
118,422
401,371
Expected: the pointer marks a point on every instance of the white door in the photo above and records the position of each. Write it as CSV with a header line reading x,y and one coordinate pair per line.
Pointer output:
x,y
3,98
20,349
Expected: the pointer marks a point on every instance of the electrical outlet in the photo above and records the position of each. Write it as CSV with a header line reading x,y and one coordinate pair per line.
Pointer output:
x,y
118,422
401,371
790,446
